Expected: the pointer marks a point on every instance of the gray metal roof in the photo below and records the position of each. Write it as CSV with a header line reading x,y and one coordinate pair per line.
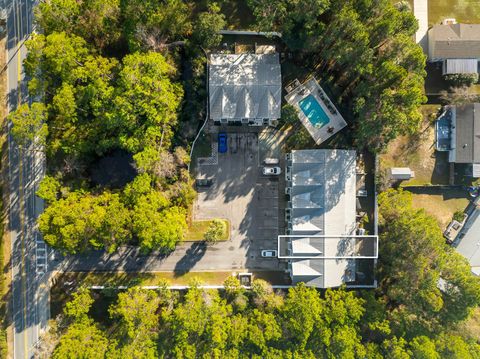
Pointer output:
x,y
310,272
244,86
323,189
469,243
456,41
460,66
467,133
323,273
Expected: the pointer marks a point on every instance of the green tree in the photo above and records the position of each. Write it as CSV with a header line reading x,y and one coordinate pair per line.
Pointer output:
x,y
136,310
152,25
233,287
424,348
421,276
156,225
97,21
147,102
206,27
29,124
215,231
78,307
302,315
83,339
82,221
199,326
49,189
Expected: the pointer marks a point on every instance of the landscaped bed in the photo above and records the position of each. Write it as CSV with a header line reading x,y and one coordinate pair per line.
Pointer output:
x,y
197,229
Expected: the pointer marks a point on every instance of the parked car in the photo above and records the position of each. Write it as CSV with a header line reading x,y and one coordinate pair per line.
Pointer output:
x,y
362,193
269,253
203,182
222,142
271,161
271,171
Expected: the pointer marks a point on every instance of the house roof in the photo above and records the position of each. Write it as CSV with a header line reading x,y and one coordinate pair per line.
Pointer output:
x,y
323,191
323,273
244,86
468,241
454,41
467,133
460,66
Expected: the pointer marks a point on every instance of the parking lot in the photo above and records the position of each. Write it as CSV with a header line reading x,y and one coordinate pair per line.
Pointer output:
x,y
248,199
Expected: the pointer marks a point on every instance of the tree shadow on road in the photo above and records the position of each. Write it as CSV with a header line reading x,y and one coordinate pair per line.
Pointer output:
x,y
191,257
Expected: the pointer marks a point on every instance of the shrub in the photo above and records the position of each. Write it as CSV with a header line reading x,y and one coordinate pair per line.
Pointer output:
x,y
458,216
289,115
215,231
461,79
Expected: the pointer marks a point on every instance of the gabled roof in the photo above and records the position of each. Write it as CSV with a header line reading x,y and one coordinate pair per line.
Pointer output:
x,y
455,41
469,243
467,133
244,86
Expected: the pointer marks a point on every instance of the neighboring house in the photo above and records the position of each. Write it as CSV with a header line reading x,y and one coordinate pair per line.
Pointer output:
x,y
245,89
458,132
321,244
467,242
457,46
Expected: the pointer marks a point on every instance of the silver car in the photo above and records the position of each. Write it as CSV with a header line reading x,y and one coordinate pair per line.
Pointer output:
x,y
269,253
271,171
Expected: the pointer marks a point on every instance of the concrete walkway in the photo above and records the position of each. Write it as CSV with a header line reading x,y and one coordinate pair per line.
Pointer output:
x,y
420,10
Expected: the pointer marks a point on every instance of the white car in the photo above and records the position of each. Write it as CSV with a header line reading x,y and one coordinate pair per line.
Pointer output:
x,y
269,253
271,171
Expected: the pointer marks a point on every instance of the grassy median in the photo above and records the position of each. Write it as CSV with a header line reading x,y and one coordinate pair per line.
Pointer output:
x,y
197,229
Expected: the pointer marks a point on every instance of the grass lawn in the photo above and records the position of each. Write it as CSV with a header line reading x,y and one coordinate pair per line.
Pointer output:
x,y
203,148
64,284
472,326
442,206
467,11
196,230
418,153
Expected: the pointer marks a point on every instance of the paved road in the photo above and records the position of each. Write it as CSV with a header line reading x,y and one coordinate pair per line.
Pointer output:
x,y
30,296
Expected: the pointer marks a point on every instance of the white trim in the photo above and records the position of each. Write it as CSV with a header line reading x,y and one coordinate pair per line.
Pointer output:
x,y
375,237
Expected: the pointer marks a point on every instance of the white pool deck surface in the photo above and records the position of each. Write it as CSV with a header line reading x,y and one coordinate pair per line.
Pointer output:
x,y
336,121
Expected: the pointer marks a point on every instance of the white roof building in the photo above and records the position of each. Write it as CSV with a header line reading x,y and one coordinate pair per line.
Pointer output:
x,y
245,88
321,244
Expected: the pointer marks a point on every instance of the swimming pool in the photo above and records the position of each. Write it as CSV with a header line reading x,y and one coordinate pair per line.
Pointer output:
x,y
314,112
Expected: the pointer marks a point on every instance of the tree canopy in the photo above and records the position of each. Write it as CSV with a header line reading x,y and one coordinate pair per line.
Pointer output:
x,y
426,281
207,323
365,51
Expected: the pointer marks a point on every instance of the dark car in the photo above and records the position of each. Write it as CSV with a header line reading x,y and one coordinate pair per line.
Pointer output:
x,y
222,142
203,182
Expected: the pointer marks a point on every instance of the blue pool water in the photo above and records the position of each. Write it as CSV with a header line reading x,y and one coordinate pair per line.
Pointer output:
x,y
314,112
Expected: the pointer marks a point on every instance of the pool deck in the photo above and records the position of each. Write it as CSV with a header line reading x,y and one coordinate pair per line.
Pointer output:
x,y
337,122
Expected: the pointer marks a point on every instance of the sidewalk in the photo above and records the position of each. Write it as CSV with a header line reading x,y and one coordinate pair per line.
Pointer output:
x,y
420,10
